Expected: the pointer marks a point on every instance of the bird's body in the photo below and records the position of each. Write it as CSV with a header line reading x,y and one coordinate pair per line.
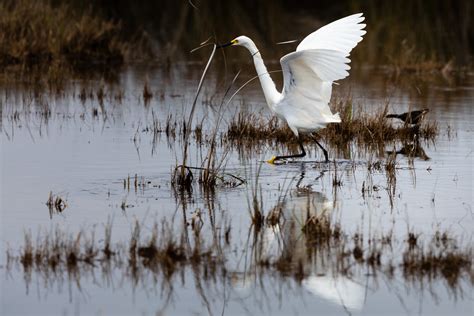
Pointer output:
x,y
411,117
309,72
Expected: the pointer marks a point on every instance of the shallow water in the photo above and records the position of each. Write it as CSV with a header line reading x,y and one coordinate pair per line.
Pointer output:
x,y
84,157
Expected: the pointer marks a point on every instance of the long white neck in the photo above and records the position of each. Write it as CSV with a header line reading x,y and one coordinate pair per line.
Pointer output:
x,y
272,96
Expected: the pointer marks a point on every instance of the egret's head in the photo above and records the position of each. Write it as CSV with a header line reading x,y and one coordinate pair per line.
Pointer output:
x,y
239,41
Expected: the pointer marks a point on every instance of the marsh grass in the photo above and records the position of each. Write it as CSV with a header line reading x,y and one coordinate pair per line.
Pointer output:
x,y
318,230
211,171
421,260
394,34
165,251
323,239
410,37
256,208
56,204
182,176
147,94
361,128
36,32
440,258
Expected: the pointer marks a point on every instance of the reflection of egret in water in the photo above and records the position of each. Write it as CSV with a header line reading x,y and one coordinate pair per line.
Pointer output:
x,y
242,282
294,208
338,289
288,241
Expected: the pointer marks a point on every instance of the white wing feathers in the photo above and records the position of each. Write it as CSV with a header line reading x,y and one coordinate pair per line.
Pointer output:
x,y
307,77
326,64
341,35
308,73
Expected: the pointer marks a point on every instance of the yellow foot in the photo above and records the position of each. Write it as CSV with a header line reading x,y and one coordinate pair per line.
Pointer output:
x,y
271,160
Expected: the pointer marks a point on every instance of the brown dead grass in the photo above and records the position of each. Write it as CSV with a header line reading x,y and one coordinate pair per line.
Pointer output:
x,y
166,251
360,127
36,32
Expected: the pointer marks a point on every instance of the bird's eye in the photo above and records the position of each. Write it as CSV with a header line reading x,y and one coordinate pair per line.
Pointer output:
x,y
235,41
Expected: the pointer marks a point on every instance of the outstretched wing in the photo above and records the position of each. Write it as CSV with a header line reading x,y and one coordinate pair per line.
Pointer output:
x,y
306,74
341,35
320,59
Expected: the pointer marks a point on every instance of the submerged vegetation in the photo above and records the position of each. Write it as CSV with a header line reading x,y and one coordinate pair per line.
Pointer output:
x,y
165,252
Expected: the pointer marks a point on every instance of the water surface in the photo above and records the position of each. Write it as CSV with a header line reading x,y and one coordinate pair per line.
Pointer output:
x,y
83,149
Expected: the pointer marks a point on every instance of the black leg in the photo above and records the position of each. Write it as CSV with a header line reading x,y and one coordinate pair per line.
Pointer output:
x,y
324,151
300,155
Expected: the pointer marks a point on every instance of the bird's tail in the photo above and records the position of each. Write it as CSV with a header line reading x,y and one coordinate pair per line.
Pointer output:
x,y
337,118
332,118
391,116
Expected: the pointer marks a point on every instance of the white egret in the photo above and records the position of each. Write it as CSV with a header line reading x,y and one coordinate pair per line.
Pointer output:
x,y
308,73
320,278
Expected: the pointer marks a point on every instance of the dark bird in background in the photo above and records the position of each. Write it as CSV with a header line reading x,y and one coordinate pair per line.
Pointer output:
x,y
411,117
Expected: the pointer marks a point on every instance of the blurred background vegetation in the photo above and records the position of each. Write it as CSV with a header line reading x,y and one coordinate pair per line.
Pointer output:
x,y
406,34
